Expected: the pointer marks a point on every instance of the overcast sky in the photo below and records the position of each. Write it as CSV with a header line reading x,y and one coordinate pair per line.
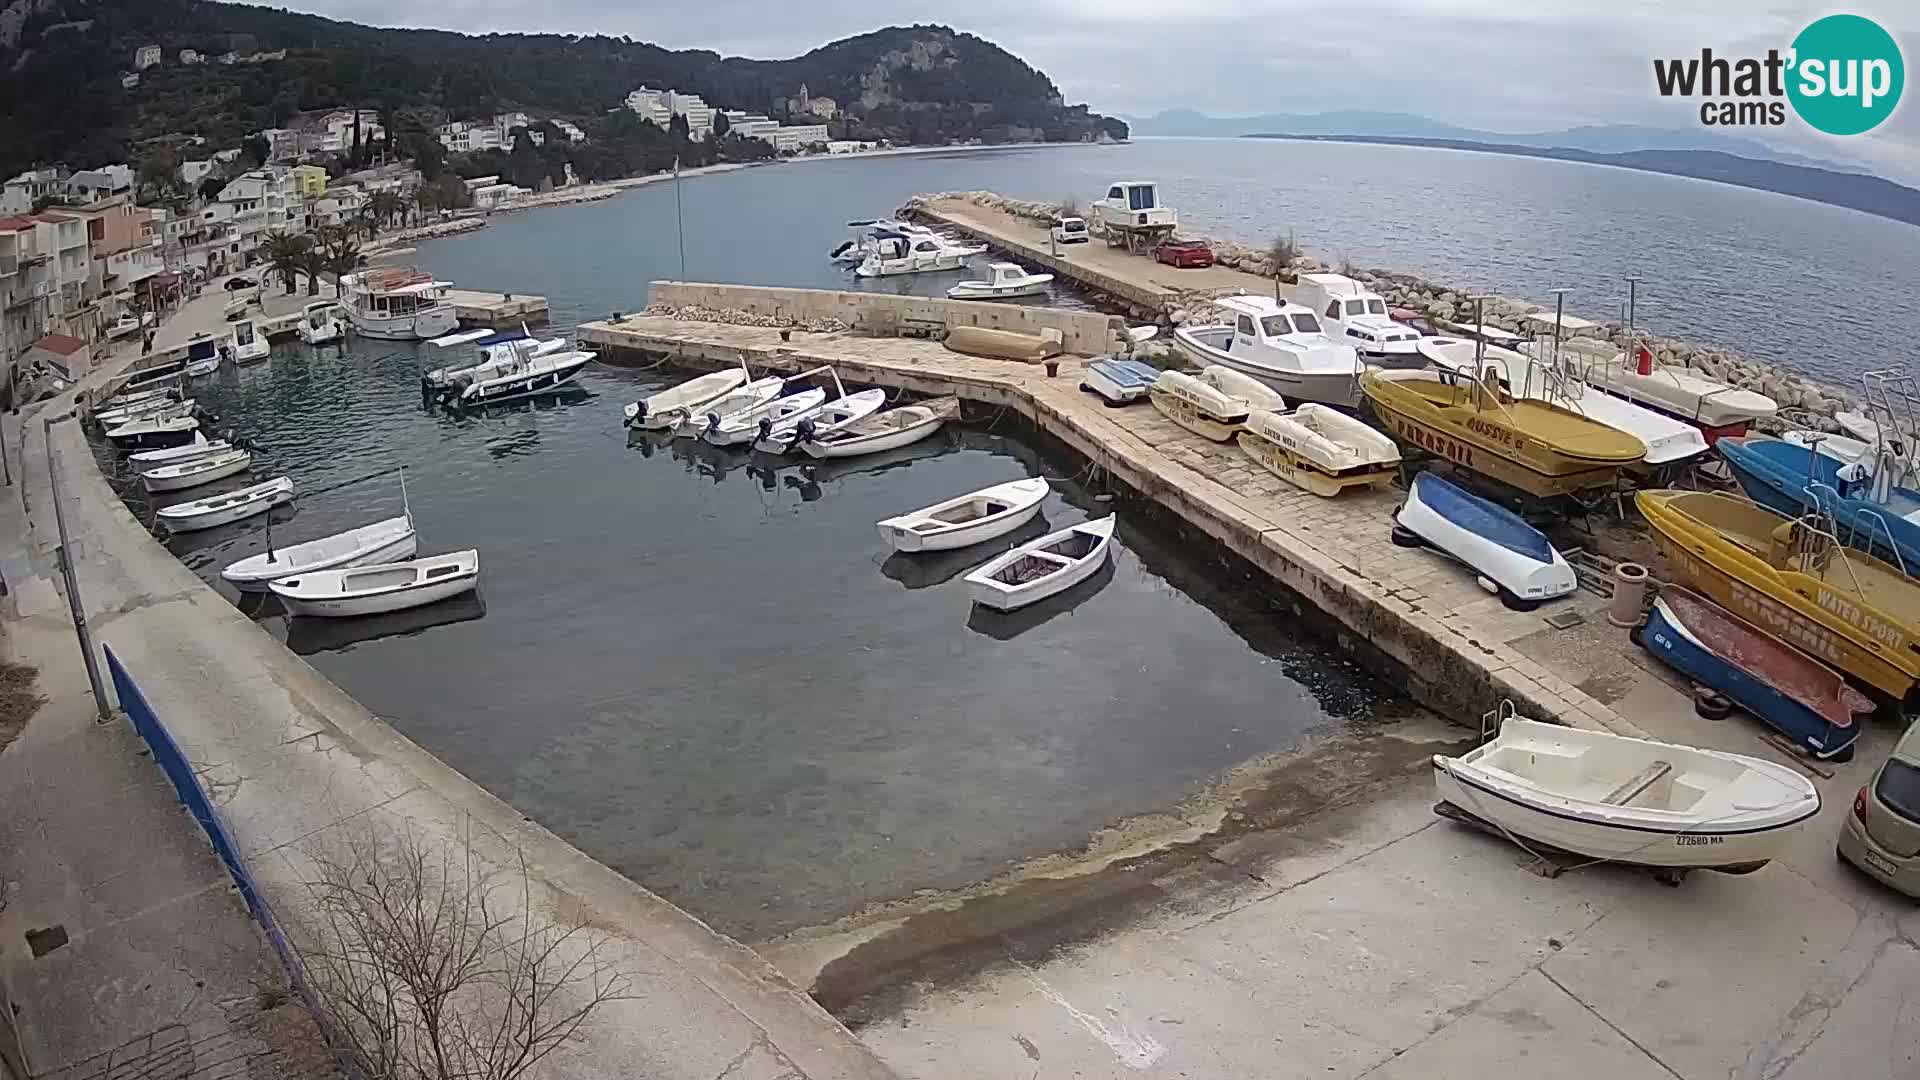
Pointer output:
x,y
1506,65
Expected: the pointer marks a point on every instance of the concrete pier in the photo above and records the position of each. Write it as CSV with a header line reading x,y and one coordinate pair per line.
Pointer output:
x,y
1461,652
476,307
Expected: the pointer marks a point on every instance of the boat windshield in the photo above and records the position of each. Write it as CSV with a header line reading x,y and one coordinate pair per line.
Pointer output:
x,y
1376,307
1276,326
1356,307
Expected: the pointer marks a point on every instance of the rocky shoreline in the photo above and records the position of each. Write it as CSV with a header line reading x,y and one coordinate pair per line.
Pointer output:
x,y
1813,404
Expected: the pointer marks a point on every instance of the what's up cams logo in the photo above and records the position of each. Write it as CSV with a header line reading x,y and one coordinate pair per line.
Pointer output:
x,y
1843,75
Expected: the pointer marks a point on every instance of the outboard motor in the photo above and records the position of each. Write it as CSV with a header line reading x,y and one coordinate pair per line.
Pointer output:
x,y
766,427
713,421
803,432
639,412
837,252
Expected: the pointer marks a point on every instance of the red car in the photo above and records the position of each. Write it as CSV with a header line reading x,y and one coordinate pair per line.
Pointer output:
x,y
1185,254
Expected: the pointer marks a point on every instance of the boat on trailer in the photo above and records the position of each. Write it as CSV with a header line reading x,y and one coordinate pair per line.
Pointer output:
x,y
888,429
1119,382
1198,406
1319,449
969,519
216,510
1612,798
1282,345
378,588
1511,556
1042,568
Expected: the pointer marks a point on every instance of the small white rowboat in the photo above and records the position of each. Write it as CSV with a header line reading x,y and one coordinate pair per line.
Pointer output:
x,y
1005,281
1625,800
754,395
201,470
888,429
1039,569
144,434
377,589
853,408
385,541
1197,406
224,509
779,413
148,460
1319,449
969,519
668,407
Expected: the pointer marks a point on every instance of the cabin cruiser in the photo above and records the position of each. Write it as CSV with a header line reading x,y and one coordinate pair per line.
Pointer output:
x,y
398,304
1352,313
498,352
320,323
1005,281
1280,344
917,252
248,344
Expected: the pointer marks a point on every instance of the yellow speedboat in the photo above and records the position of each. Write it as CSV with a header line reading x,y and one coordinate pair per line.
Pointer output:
x,y
1540,448
1796,581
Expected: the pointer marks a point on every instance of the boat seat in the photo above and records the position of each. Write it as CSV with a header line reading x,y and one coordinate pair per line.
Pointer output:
x,y
1637,784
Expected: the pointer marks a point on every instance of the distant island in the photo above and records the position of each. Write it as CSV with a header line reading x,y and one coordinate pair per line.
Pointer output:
x,y
1855,191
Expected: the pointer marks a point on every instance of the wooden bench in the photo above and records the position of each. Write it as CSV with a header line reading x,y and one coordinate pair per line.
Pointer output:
x,y
1638,783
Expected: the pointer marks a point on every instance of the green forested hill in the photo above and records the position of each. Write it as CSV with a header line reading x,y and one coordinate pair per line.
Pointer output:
x,y
61,61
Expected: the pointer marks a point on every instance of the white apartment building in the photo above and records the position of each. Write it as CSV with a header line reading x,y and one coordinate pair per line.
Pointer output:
x,y
651,105
21,192
261,202
571,130
192,172
28,288
750,125
659,107
145,57
90,185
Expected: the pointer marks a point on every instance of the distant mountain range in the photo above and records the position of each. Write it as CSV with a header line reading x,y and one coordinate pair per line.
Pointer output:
x,y
1599,139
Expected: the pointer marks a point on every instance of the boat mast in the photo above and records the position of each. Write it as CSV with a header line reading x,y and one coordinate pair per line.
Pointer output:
x,y
406,508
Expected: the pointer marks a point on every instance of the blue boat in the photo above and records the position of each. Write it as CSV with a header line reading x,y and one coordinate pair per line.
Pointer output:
x,y
1120,381
1793,480
1789,691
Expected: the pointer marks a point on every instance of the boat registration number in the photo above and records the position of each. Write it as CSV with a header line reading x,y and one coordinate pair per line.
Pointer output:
x,y
1698,841
1876,862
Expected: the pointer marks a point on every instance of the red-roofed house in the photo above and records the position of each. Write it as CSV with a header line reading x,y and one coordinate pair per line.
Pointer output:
x,y
29,288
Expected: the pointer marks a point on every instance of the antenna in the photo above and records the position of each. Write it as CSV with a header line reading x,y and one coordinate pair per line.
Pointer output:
x,y
406,507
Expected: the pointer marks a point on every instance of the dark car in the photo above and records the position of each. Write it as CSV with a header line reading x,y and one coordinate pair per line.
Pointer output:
x,y
1185,254
235,284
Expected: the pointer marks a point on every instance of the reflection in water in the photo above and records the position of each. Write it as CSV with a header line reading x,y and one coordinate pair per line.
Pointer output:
x,y
1007,625
309,636
920,570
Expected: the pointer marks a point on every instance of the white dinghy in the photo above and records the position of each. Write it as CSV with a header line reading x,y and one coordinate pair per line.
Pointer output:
x,y
1005,281
159,408
757,394
1256,394
834,415
146,434
378,588
1625,800
148,460
1039,569
202,470
224,509
744,426
888,429
1198,406
389,540
967,520
1319,449
660,411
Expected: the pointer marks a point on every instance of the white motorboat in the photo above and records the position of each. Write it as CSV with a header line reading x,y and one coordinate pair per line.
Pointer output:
x,y
249,345
397,304
1005,281
529,373
320,323
129,323
1635,801
1319,449
201,470
1198,406
1859,425
895,253
754,396
888,429
1512,558
1281,345
1119,382
1042,568
147,434
389,540
1720,408
778,437
378,588
203,366
744,426
199,447
660,411
497,353
1256,394
969,519
225,509
1353,313
864,236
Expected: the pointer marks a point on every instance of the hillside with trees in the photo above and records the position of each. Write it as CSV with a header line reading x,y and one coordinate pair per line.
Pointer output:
x,y
62,61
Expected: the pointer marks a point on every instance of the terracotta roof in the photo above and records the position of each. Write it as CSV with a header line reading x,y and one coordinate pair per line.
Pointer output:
x,y
49,215
17,222
60,343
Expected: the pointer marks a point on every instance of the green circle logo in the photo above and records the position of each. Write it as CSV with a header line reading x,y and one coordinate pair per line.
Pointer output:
x,y
1846,74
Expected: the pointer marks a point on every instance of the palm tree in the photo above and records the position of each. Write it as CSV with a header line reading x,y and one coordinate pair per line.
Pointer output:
x,y
342,254
284,252
313,263
385,206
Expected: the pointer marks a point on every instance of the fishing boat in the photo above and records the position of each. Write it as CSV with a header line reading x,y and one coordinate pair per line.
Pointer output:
x,y
1282,345
1042,568
657,412
1005,281
780,436
248,343
888,429
380,587
757,395
320,323
1319,449
147,434
1869,511
1789,691
969,519
1513,559
1119,382
200,470
225,509
1356,314
1795,580
1197,406
529,373
147,460
744,426
1256,394
1718,409
1624,800
385,541
397,304
1534,446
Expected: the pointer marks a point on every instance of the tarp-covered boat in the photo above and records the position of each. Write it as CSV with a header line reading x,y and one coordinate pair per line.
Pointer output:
x,y
1494,542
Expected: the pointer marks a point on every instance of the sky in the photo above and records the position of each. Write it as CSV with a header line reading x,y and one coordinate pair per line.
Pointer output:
x,y
1496,64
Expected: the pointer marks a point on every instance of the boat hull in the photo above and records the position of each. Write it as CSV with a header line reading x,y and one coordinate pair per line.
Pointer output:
x,y
874,444
225,515
532,384
157,482
154,440
1335,388
1778,474
989,593
400,548
420,326
1021,507
400,600
1490,540
1004,292
323,335
1302,472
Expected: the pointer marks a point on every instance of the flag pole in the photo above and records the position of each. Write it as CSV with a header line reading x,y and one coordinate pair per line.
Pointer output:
x,y
679,217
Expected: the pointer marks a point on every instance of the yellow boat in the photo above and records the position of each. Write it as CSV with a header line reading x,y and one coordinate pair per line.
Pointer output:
x,y
1796,581
1541,449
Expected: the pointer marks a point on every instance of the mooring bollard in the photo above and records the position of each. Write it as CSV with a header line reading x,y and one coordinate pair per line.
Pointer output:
x,y
1629,594
1053,368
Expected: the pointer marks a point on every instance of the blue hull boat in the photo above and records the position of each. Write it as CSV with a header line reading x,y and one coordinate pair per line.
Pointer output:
x,y
1789,691
1793,480
1120,381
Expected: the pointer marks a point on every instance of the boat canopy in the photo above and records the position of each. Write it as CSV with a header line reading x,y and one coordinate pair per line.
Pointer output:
x,y
1568,323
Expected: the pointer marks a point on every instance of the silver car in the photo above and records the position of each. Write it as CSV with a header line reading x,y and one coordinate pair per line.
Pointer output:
x,y
1882,835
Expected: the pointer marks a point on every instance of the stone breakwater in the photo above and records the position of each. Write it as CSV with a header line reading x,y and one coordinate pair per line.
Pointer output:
x,y
1815,403
736,317
425,232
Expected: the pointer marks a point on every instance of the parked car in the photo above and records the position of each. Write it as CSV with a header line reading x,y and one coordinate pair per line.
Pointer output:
x,y
1882,835
1070,230
234,284
1185,254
